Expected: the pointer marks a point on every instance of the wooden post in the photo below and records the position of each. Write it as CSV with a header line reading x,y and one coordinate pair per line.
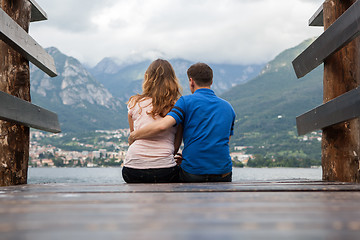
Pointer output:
x,y
340,142
15,80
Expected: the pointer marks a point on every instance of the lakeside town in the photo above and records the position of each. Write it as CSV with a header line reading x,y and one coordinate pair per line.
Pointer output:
x,y
107,148
101,148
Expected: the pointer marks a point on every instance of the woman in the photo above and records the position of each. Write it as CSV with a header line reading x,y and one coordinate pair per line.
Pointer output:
x,y
152,160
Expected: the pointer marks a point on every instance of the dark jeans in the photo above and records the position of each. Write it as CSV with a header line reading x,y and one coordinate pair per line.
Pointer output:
x,y
158,175
188,177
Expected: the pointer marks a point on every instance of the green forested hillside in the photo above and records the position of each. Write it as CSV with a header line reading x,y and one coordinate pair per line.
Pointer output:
x,y
267,107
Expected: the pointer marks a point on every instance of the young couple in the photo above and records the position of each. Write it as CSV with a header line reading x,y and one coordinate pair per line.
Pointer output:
x,y
159,120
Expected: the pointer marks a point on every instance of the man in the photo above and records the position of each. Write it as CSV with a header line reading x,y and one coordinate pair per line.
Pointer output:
x,y
208,123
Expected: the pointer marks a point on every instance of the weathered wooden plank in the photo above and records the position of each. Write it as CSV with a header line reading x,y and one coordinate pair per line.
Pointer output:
x,y
56,214
37,13
341,32
340,109
246,186
22,112
317,20
16,37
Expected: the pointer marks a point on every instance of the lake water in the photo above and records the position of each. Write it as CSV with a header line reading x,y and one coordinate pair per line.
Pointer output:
x,y
113,175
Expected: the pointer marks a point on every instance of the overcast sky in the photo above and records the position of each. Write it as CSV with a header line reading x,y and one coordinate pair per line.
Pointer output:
x,y
213,31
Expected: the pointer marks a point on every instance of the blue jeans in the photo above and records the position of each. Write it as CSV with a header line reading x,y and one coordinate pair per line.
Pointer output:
x,y
188,177
157,175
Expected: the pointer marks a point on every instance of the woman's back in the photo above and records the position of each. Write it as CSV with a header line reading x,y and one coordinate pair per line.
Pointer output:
x,y
156,152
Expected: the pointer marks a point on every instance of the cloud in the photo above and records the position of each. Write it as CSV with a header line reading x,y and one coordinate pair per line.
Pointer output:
x,y
72,16
228,31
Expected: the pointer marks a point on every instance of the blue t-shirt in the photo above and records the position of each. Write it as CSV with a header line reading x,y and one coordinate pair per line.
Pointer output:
x,y
208,123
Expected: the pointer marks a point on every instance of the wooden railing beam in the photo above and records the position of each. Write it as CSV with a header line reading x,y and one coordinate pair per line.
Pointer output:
x,y
340,33
17,38
37,13
19,111
340,109
317,20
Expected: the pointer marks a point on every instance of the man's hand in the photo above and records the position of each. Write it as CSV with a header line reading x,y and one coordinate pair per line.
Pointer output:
x,y
178,158
131,138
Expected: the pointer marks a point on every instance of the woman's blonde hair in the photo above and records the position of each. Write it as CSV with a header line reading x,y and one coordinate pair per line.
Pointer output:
x,y
161,85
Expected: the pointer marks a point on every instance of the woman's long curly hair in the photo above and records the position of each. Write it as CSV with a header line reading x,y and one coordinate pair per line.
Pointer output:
x,y
161,85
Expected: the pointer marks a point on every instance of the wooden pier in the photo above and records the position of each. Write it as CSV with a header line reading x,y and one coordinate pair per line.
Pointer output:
x,y
244,210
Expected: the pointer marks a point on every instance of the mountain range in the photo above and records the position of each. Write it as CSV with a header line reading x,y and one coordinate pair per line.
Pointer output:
x,y
80,101
266,98
125,80
94,98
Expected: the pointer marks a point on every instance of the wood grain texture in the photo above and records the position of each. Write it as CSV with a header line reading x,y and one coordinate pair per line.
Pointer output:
x,y
14,80
341,142
248,210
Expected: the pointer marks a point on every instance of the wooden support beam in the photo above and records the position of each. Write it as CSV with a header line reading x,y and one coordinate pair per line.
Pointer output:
x,y
341,142
340,109
19,111
340,33
37,13
16,37
14,80
317,20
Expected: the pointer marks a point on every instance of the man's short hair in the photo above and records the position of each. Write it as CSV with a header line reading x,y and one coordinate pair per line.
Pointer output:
x,y
201,73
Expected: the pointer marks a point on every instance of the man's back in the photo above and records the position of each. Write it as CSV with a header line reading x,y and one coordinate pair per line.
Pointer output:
x,y
208,123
